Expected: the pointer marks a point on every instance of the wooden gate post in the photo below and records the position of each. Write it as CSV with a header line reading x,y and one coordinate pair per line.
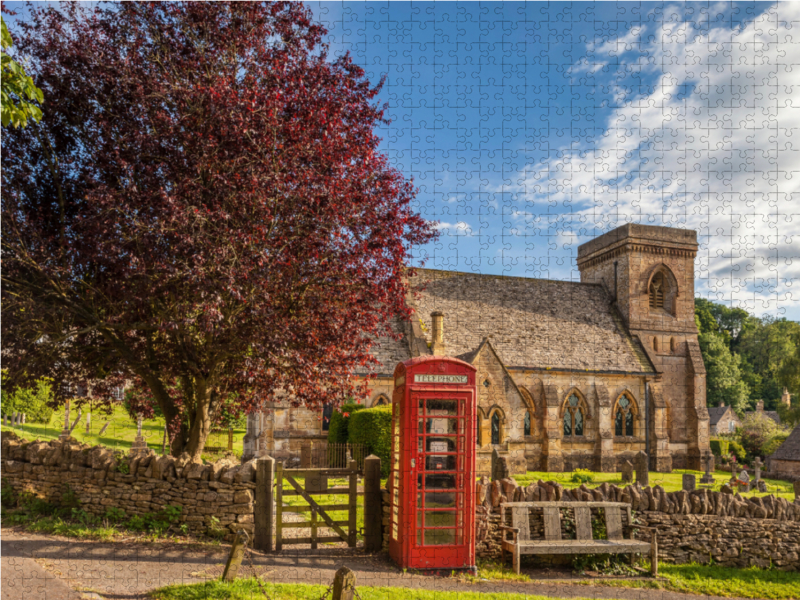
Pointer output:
x,y
265,479
373,504
344,584
279,507
353,508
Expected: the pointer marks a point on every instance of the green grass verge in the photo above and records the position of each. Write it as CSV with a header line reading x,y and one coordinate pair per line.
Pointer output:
x,y
713,580
248,589
671,482
120,433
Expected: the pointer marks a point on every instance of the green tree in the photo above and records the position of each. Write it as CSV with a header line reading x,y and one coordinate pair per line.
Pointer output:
x,y
723,376
706,323
769,348
33,401
756,432
19,93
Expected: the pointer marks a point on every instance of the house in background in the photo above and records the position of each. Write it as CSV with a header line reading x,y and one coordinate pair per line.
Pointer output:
x,y
786,459
772,414
722,420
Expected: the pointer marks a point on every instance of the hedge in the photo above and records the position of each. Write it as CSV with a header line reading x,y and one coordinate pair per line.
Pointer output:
x,y
337,430
720,447
373,428
738,451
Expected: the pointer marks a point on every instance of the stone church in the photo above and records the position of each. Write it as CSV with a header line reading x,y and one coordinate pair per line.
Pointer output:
x,y
570,374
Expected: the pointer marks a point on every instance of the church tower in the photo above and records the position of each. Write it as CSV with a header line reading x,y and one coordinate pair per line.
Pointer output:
x,y
648,273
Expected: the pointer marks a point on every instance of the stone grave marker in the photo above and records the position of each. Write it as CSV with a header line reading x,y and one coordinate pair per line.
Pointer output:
x,y
88,423
761,486
757,464
797,489
499,466
744,479
23,419
139,444
103,428
77,420
642,469
707,477
689,482
627,471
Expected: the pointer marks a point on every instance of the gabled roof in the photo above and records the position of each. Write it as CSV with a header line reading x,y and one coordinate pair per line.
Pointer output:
x,y
715,413
790,448
532,323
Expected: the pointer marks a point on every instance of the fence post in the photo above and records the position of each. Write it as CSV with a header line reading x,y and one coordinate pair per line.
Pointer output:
x,y
265,478
230,439
353,510
344,584
373,500
279,507
235,557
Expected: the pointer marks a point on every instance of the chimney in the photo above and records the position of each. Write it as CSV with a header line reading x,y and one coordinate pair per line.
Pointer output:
x,y
437,345
760,406
722,405
786,398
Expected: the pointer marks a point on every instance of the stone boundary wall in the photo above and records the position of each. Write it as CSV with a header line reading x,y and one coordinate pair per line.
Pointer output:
x,y
136,484
692,526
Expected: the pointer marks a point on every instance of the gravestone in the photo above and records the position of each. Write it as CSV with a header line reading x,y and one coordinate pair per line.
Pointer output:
x,y
627,471
499,466
23,418
689,482
103,428
796,490
77,419
642,469
65,432
757,464
88,423
761,486
707,477
744,480
139,444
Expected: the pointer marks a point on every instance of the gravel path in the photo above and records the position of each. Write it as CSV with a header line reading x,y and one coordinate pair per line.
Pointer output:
x,y
128,569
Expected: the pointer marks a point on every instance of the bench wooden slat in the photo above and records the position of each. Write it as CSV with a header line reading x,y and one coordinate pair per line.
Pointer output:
x,y
583,522
582,547
520,520
613,523
552,523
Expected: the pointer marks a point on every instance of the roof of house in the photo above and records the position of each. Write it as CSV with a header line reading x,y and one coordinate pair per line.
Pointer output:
x,y
715,413
535,323
790,448
767,413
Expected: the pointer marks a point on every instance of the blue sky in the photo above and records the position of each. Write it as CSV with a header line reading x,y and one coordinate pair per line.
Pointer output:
x,y
530,128
533,127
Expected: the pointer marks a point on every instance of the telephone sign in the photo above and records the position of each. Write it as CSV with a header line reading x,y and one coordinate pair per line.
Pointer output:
x,y
432,481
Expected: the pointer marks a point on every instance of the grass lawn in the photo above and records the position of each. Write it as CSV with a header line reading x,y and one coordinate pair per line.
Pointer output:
x,y
248,589
703,580
120,433
671,482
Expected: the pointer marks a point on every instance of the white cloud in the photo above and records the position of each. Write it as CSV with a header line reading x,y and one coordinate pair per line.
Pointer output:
x,y
724,159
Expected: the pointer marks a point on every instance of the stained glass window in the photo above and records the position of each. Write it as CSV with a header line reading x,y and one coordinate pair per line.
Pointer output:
x,y
527,422
623,417
573,417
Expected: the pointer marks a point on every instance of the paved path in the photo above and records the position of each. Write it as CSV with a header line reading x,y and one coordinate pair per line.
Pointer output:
x,y
128,570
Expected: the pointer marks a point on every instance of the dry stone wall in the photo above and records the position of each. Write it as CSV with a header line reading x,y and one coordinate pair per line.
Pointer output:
x,y
696,526
138,485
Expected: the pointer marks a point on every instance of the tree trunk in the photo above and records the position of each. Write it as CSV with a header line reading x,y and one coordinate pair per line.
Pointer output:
x,y
200,425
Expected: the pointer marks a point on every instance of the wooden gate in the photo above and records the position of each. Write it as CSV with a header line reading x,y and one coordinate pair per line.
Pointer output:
x,y
315,484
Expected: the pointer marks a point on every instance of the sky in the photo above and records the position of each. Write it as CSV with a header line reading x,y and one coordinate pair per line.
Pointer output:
x,y
530,128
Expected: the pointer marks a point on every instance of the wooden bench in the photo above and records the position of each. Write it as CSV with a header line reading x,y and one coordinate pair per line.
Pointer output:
x,y
616,543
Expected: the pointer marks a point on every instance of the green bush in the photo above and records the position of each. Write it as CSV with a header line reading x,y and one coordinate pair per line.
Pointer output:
x,y
337,430
33,401
720,447
372,427
582,476
738,451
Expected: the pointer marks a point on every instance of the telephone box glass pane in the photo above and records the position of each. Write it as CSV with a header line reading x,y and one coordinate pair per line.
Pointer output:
x,y
440,499
440,463
440,537
443,407
440,426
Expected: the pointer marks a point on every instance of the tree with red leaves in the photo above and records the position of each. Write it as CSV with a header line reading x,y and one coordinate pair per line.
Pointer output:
x,y
203,209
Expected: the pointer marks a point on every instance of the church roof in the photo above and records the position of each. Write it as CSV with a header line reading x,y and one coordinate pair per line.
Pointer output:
x,y
531,323
790,448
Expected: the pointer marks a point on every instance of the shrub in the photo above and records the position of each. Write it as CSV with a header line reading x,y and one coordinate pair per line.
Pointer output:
x,y
337,431
372,427
582,476
756,430
738,451
720,447
774,443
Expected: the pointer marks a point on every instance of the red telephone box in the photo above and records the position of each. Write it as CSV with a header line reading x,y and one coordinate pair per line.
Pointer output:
x,y
432,482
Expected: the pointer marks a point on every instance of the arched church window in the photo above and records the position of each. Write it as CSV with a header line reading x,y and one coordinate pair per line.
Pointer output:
x,y
327,412
672,344
657,289
623,417
381,401
527,423
496,428
655,344
573,416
